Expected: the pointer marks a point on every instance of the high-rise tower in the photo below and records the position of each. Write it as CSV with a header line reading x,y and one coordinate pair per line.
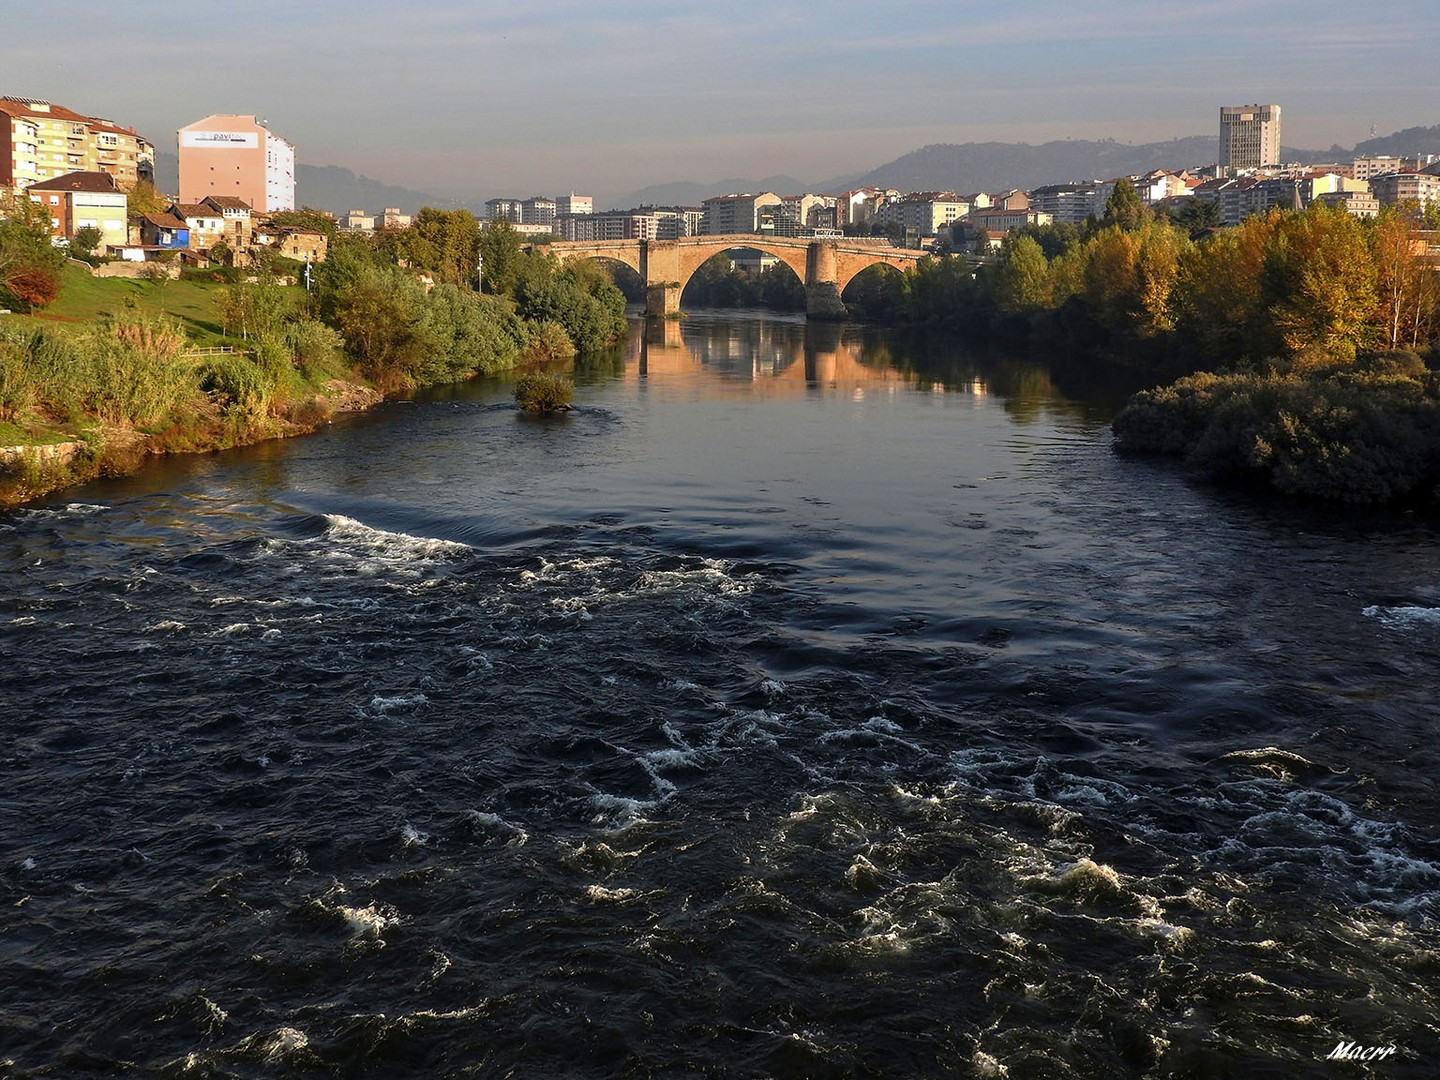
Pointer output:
x,y
1249,136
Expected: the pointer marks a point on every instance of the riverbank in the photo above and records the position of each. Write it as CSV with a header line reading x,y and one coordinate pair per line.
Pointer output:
x,y
57,460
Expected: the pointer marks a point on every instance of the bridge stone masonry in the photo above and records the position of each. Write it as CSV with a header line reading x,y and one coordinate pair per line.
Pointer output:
x,y
826,266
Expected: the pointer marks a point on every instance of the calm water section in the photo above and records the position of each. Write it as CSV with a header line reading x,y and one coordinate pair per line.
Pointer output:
x,y
804,704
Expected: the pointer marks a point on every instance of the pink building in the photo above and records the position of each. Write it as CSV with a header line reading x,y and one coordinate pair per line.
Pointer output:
x,y
233,155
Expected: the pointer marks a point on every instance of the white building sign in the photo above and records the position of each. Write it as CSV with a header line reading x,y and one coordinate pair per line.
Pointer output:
x,y
221,140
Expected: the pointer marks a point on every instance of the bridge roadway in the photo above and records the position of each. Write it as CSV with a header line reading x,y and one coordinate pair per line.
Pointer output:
x,y
825,265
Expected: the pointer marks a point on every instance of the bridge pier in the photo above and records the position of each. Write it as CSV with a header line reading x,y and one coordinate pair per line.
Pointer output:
x,y
822,283
660,267
662,300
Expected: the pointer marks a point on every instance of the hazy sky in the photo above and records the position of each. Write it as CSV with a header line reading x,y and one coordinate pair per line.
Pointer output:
x,y
483,99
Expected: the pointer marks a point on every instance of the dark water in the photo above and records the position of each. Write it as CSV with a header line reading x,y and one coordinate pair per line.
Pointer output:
x,y
796,707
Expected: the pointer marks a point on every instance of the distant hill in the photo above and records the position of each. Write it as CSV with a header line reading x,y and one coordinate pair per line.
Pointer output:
x,y
328,187
994,166
1407,143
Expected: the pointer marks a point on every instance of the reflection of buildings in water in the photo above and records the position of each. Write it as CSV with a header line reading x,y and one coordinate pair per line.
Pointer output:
x,y
766,355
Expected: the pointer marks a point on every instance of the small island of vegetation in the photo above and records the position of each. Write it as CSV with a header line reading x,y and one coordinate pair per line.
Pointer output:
x,y
544,392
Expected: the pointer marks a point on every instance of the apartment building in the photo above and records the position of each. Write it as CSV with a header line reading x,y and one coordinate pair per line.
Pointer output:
x,y
858,207
234,154
1249,136
642,223
1394,188
574,204
40,140
1379,165
923,211
537,210
83,200
1238,198
1000,220
1359,203
737,213
511,210
122,154
1067,204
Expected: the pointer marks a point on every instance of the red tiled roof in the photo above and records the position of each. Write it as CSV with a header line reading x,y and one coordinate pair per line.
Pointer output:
x,y
21,107
226,202
78,181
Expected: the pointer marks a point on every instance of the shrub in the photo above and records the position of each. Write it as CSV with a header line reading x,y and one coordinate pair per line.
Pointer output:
x,y
239,385
541,391
549,342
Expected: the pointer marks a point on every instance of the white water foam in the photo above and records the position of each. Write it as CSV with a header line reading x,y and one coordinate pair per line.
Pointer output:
x,y
383,704
1405,617
369,922
356,535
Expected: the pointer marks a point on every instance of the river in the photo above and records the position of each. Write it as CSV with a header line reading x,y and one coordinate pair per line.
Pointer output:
x,y
801,705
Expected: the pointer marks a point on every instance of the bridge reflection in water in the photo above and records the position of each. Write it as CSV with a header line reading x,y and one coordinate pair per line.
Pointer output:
x,y
766,355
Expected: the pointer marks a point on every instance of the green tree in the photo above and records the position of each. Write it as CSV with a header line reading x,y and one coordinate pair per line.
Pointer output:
x,y
1405,286
1319,279
1157,268
1124,209
29,263
1197,216
1111,286
501,248
257,309
144,199
157,270
445,242
1022,281
86,239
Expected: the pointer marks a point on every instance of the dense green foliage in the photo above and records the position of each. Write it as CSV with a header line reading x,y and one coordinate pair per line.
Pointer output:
x,y
1362,432
1308,311
402,335
29,263
1319,317
543,391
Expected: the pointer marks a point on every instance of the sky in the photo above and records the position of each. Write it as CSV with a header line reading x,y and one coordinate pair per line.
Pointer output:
x,y
479,99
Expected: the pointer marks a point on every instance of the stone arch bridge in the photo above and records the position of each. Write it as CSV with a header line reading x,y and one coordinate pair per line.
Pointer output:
x,y
826,266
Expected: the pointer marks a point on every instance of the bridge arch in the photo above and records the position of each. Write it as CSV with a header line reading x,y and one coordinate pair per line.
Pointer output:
x,y
856,264
702,285
621,251
692,257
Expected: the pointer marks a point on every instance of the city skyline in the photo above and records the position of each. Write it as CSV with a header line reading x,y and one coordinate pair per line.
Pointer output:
x,y
466,100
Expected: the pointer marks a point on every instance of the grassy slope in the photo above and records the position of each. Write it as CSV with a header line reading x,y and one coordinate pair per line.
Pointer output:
x,y
84,298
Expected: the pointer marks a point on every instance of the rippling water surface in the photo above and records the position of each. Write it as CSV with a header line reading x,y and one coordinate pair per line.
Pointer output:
x,y
796,707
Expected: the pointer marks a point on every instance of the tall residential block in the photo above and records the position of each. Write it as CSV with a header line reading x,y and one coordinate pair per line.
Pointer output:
x,y
231,154
43,141
1249,136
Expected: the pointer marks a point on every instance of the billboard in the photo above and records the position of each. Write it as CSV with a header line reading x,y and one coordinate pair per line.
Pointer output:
x,y
220,140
